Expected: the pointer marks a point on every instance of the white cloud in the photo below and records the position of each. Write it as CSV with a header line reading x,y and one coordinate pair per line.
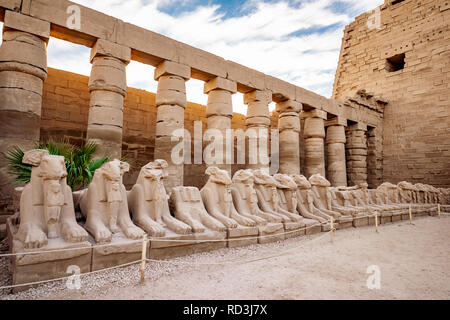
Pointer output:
x,y
266,39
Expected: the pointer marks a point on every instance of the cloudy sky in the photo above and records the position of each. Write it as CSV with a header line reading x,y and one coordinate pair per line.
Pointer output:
x,y
294,40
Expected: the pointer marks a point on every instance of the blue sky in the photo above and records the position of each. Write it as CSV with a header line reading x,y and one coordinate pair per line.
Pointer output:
x,y
294,40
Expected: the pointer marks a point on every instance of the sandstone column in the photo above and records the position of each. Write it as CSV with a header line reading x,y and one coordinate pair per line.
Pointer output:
x,y
108,86
335,140
219,112
374,157
170,103
289,128
314,134
356,154
258,123
23,69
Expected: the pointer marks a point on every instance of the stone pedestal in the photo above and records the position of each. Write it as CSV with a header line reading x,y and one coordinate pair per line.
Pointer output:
x,y
23,69
170,103
27,268
219,112
242,236
289,128
335,140
258,123
314,134
119,251
271,232
356,154
165,249
294,229
107,85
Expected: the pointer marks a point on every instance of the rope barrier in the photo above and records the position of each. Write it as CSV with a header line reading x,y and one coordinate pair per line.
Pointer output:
x,y
145,240
67,277
162,261
162,240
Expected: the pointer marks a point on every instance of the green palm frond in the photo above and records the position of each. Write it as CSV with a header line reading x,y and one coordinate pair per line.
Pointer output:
x,y
79,163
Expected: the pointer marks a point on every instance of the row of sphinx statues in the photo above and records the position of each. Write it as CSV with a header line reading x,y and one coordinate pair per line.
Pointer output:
x,y
249,198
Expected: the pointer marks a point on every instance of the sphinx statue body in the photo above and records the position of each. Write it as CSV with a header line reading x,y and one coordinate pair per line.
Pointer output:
x,y
289,201
218,200
104,204
305,201
269,198
323,199
149,205
46,203
189,208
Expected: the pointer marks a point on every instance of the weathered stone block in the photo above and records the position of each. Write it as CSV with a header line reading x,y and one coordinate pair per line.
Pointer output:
x,y
110,49
168,68
121,250
220,83
17,21
272,232
242,236
27,268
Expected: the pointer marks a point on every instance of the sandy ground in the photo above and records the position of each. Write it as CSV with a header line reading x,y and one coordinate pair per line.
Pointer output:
x,y
414,263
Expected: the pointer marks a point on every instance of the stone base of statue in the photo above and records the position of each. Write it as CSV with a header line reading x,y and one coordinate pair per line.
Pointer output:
x,y
327,226
242,236
294,229
312,227
345,221
396,216
119,251
48,262
360,220
444,208
271,232
385,217
174,245
433,210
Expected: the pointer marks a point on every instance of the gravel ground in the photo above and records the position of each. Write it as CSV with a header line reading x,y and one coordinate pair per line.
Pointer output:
x,y
414,261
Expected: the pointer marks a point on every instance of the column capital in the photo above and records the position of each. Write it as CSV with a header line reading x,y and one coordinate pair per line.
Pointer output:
x,y
170,68
336,121
20,22
104,48
220,83
258,95
359,126
315,113
289,106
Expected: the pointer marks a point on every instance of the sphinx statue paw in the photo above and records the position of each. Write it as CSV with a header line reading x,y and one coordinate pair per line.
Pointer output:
x,y
229,223
34,238
155,230
197,227
102,235
74,233
133,232
247,222
182,228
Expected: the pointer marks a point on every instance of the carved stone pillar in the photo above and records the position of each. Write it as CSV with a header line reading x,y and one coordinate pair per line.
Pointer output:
x,y
170,103
356,154
335,140
314,134
108,87
289,127
23,70
258,123
219,112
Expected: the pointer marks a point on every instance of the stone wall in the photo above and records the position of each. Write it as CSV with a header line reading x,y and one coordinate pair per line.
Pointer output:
x,y
416,134
65,110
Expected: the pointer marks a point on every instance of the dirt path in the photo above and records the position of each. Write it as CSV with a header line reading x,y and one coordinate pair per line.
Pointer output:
x,y
414,261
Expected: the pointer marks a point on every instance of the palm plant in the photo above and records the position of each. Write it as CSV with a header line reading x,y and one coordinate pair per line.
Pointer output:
x,y
79,163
